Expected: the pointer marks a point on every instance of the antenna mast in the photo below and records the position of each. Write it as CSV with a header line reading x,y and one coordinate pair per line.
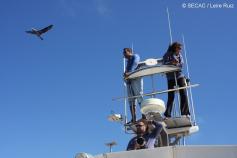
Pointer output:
x,y
125,87
190,90
171,40
110,145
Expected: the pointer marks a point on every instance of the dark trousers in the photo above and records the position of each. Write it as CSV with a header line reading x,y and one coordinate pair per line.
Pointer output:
x,y
183,97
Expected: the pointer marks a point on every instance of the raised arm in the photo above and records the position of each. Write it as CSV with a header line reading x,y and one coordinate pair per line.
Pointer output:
x,y
156,131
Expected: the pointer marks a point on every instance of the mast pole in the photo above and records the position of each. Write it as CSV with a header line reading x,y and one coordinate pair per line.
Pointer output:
x,y
190,90
125,88
170,31
171,41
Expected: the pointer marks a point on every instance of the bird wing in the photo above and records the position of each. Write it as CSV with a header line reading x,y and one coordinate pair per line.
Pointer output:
x,y
31,32
40,37
45,29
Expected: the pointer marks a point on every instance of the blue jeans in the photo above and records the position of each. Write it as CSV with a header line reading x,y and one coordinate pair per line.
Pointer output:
x,y
134,88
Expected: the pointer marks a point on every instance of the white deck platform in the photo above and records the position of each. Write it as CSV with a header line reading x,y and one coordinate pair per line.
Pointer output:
x,y
226,151
153,70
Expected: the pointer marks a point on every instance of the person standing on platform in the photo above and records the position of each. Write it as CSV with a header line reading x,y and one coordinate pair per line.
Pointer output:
x,y
134,86
174,57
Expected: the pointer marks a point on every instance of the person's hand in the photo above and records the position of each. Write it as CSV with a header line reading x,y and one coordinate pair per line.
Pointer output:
x,y
175,62
137,146
150,122
125,75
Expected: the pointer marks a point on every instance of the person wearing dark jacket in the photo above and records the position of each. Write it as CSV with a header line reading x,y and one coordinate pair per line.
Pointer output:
x,y
174,57
145,138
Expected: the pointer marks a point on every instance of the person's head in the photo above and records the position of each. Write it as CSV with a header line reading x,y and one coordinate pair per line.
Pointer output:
x,y
127,52
142,126
176,47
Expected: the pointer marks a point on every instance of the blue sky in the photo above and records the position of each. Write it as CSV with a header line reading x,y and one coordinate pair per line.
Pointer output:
x,y
55,94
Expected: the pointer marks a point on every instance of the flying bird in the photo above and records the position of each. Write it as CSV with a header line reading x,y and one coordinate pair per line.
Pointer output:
x,y
39,32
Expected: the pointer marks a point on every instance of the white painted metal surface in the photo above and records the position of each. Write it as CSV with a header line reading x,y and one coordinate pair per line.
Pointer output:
x,y
153,70
177,122
151,62
226,151
182,131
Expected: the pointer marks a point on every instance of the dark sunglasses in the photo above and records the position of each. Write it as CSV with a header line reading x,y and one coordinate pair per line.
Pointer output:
x,y
139,125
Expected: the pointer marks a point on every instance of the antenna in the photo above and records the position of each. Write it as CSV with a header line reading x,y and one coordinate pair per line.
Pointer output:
x,y
125,87
171,41
132,47
168,15
110,145
185,54
190,90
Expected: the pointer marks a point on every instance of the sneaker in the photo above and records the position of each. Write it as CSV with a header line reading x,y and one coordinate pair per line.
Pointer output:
x,y
166,118
166,115
186,116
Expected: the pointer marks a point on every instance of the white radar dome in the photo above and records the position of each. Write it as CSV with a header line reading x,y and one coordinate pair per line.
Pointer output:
x,y
152,105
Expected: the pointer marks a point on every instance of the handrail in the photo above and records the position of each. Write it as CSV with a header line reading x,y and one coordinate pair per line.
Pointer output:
x,y
157,92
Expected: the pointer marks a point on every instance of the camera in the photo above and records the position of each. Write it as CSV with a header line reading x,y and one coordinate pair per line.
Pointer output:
x,y
141,141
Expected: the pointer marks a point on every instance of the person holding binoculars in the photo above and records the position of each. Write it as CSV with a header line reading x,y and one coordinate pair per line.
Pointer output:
x,y
145,138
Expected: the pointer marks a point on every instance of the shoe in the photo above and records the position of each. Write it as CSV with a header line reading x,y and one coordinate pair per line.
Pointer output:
x,y
186,116
143,116
166,115
167,118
